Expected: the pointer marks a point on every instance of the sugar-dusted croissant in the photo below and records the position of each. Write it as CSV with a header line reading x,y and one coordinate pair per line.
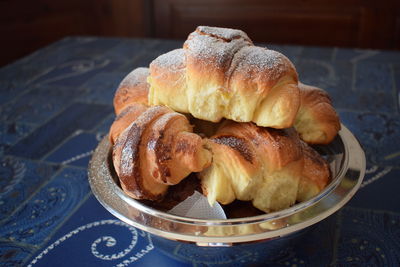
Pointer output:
x,y
156,150
263,165
317,121
133,89
219,73
315,175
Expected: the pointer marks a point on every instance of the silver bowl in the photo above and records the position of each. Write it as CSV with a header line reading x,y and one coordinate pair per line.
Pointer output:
x,y
233,237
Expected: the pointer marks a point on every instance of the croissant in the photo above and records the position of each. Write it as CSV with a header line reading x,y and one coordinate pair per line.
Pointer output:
x,y
133,89
317,121
219,73
251,163
156,150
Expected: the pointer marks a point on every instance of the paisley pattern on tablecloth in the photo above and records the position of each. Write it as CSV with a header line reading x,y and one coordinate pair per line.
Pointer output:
x,y
44,139
13,254
56,103
368,238
10,132
19,180
36,220
378,133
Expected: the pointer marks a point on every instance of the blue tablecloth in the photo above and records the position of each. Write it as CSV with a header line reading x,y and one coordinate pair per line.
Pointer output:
x,y
56,104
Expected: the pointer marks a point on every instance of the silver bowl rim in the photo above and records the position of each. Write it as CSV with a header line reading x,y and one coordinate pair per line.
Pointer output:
x,y
265,226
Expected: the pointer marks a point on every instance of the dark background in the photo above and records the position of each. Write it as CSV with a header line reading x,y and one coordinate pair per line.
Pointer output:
x,y
29,25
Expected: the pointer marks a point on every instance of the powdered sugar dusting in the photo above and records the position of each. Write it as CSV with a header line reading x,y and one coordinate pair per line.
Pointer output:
x,y
256,60
215,45
223,33
150,114
136,77
174,59
232,50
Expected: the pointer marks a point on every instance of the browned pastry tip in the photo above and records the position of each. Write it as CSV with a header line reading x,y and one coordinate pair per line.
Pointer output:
x,y
124,119
317,121
133,89
315,176
157,149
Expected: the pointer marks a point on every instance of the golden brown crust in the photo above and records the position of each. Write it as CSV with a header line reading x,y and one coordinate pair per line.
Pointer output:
x,y
317,121
220,74
156,150
260,68
272,168
277,147
132,174
254,163
173,150
126,117
236,143
133,89
315,175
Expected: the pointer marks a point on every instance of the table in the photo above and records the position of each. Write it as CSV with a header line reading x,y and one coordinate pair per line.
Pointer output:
x,y
56,104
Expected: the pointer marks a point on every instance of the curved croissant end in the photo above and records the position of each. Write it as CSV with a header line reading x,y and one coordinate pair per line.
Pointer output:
x,y
317,121
156,150
315,175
